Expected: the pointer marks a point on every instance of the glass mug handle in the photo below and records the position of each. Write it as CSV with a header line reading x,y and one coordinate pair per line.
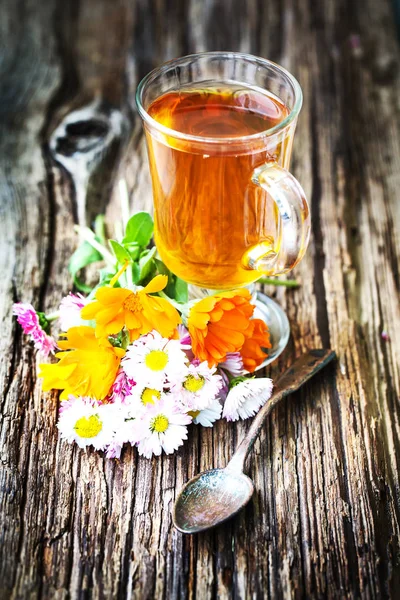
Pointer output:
x,y
294,234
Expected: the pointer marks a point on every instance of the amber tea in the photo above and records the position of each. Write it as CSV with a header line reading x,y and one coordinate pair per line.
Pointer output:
x,y
208,213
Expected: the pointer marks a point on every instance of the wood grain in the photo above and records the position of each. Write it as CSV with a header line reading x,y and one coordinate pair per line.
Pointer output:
x,y
325,519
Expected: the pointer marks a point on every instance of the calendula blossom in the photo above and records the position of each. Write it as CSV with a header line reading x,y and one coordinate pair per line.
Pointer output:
x,y
138,311
252,352
87,367
220,324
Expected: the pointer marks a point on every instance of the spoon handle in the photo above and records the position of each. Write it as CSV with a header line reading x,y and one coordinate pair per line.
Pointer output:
x,y
303,368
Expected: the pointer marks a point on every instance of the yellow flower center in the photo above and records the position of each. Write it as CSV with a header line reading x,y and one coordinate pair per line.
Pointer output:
x,y
159,423
133,303
148,395
193,413
156,360
88,427
194,384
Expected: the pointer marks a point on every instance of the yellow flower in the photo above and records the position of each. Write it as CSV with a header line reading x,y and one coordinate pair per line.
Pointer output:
x,y
139,312
88,368
220,324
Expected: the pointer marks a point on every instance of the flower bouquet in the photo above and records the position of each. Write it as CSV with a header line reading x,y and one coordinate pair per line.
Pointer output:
x,y
137,361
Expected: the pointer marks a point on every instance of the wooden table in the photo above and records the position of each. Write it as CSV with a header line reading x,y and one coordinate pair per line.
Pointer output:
x,y
325,519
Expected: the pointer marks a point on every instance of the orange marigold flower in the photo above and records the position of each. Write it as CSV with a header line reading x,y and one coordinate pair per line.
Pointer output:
x,y
251,352
139,312
220,324
88,368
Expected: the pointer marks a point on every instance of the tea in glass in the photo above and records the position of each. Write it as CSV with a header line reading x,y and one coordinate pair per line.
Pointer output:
x,y
208,212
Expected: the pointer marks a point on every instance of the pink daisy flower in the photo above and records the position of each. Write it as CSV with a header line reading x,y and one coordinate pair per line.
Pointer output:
x,y
121,388
233,363
28,318
70,311
184,336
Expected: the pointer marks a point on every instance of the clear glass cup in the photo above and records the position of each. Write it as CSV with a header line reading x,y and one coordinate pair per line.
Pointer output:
x,y
227,210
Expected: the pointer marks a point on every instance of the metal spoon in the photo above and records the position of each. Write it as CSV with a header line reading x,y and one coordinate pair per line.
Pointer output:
x,y
217,495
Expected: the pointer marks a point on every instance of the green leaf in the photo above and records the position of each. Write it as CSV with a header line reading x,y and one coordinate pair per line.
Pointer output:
x,y
119,252
134,250
83,256
146,263
139,229
135,273
181,290
161,268
170,287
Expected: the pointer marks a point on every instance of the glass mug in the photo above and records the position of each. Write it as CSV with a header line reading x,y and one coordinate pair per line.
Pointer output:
x,y
219,129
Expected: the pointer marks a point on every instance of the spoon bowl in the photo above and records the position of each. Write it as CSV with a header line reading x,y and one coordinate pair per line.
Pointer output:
x,y
211,498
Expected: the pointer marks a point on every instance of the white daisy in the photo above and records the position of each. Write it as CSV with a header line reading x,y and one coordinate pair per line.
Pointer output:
x,y
124,434
152,359
196,386
162,427
140,397
209,415
89,423
246,398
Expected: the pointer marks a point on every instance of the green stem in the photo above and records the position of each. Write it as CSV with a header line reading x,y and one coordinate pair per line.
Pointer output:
x,y
129,278
53,316
88,235
124,199
290,283
99,228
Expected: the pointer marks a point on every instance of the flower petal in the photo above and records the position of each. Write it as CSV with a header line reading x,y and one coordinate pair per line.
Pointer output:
x,y
155,285
107,295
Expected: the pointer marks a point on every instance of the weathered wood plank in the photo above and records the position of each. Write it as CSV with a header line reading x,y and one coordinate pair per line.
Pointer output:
x,y
325,519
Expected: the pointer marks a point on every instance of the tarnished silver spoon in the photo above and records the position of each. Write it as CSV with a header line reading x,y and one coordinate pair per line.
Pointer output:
x,y
217,495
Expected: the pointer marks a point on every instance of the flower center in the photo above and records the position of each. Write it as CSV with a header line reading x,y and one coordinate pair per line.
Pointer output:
x,y
159,424
133,303
193,413
156,360
194,384
148,396
88,427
